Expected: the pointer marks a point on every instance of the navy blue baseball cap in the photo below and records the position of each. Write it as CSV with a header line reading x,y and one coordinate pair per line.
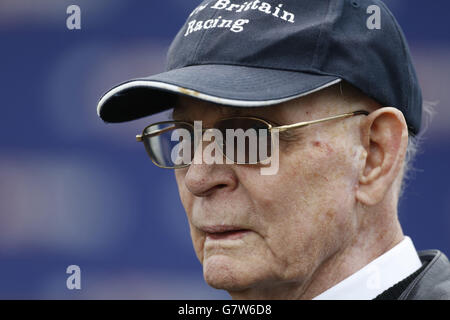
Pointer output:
x,y
255,53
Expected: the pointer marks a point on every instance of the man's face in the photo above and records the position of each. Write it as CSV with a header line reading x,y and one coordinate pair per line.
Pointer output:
x,y
294,221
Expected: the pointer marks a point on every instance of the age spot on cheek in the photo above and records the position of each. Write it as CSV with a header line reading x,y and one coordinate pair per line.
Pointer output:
x,y
323,145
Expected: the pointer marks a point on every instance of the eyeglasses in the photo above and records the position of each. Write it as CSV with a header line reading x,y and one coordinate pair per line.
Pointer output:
x,y
173,144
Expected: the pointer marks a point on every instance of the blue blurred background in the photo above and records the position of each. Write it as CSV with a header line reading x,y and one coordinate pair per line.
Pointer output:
x,y
76,191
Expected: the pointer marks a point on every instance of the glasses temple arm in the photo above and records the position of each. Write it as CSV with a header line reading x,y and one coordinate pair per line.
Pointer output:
x,y
307,123
139,137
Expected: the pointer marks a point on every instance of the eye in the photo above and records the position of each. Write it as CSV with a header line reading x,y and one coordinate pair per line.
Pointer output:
x,y
291,135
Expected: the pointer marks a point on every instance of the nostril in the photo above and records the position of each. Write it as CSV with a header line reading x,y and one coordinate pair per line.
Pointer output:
x,y
210,191
203,180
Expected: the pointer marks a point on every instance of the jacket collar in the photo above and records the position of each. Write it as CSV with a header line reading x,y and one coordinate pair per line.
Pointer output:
x,y
433,282
379,275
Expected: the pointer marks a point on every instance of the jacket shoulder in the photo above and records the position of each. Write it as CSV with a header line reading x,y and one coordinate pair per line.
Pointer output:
x,y
433,283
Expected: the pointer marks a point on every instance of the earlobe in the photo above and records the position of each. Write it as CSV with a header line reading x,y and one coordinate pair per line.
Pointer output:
x,y
385,138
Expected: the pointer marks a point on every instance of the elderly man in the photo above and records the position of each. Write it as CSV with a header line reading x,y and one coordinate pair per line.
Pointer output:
x,y
329,89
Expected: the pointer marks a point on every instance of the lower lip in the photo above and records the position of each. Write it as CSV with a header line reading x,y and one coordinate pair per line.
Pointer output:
x,y
229,235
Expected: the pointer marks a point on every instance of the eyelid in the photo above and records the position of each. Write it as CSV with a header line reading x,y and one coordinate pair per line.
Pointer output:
x,y
273,123
291,136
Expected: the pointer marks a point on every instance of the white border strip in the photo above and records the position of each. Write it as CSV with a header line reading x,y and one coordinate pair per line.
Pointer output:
x,y
203,96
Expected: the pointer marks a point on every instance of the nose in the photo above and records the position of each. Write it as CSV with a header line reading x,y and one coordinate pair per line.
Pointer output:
x,y
203,179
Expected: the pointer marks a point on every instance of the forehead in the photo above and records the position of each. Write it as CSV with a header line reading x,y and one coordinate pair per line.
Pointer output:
x,y
191,109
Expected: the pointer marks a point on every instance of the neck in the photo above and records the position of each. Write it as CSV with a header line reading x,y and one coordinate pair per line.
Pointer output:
x,y
361,251
372,241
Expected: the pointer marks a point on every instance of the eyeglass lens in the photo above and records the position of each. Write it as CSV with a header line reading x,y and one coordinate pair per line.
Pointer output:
x,y
242,141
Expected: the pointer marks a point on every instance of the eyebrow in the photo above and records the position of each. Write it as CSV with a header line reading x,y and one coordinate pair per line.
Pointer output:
x,y
183,113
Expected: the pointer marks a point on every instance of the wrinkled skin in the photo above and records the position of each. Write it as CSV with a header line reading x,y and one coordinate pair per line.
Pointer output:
x,y
324,215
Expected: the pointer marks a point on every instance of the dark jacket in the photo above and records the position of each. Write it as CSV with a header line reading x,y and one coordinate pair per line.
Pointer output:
x,y
430,282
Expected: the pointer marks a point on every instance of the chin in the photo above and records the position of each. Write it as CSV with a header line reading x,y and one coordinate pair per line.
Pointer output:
x,y
227,273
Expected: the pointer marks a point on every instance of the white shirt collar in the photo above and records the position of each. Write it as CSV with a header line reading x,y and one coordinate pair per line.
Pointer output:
x,y
379,275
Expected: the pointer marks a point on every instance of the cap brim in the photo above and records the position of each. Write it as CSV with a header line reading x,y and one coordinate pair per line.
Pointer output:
x,y
229,85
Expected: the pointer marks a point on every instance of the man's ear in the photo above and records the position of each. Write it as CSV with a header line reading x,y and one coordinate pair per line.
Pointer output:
x,y
384,136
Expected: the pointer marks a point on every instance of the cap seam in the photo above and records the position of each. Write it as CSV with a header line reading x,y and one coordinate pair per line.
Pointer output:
x,y
405,56
316,57
310,88
309,70
222,97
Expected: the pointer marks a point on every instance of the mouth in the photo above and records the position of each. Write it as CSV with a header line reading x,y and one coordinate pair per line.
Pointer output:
x,y
224,232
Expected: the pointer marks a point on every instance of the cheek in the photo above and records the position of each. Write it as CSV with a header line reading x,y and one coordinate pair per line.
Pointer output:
x,y
306,206
333,176
198,241
291,213
331,171
187,199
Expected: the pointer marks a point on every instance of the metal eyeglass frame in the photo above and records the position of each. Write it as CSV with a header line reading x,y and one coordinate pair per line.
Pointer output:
x,y
270,127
